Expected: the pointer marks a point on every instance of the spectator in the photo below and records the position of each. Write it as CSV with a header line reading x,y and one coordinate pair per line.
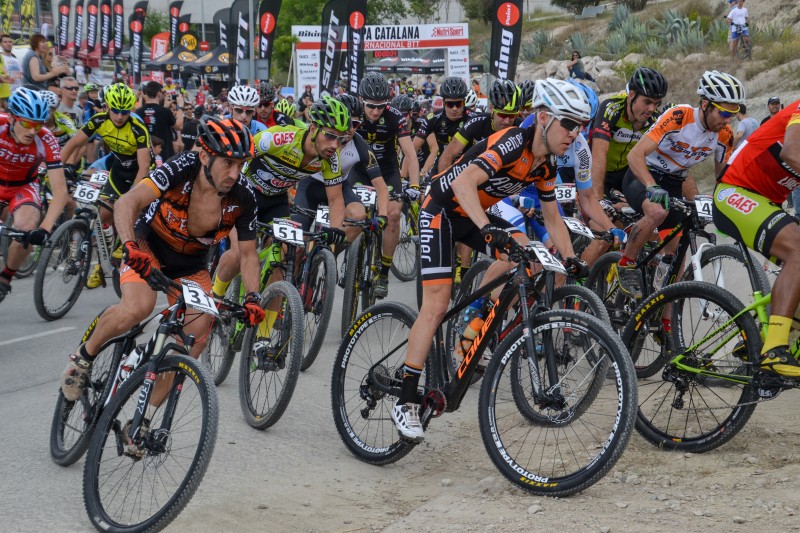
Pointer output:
x,y
69,100
773,106
158,147
10,69
737,22
34,64
476,86
306,99
429,88
747,125
190,124
576,68
80,72
160,121
93,103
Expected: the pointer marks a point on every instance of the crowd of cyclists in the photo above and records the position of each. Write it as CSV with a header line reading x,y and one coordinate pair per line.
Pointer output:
x,y
257,156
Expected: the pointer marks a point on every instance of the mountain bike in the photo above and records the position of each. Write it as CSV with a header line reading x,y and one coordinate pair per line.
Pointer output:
x,y
557,402
744,48
67,255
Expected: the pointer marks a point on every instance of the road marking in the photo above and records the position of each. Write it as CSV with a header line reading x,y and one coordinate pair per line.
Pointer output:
x,y
37,335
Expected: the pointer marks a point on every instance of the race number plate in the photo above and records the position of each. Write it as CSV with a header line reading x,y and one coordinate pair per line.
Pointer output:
x,y
99,178
366,195
196,298
576,226
323,216
703,204
287,231
86,193
548,261
565,193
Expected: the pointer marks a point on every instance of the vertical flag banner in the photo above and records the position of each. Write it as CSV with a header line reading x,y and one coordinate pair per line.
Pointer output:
x,y
28,16
91,25
221,21
8,9
267,20
239,46
137,26
355,43
78,39
506,38
119,25
183,24
105,26
174,15
62,34
334,18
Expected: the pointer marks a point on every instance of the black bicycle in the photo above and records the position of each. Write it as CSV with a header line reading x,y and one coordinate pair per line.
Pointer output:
x,y
558,399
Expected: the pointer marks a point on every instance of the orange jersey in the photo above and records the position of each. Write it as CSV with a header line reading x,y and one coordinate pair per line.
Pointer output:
x,y
757,165
683,142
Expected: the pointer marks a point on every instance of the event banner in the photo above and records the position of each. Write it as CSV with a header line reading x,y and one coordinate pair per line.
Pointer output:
x,y
137,44
267,20
105,27
222,19
184,23
78,28
174,15
506,38
62,34
119,25
332,36
356,31
239,48
91,25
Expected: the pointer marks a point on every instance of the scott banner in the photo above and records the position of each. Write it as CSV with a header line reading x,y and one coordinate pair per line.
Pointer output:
x,y
267,20
333,30
78,39
119,25
222,19
105,27
62,33
174,15
356,32
239,47
91,25
137,45
506,38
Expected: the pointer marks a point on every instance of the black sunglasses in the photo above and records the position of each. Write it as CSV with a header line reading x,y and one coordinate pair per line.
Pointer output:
x,y
454,104
570,125
240,110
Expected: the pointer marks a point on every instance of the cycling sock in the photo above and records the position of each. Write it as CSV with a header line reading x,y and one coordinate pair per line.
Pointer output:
x,y
408,393
626,261
8,274
219,287
778,332
266,326
83,353
386,264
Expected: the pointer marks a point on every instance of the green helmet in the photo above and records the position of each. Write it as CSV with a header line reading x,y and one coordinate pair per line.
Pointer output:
x,y
90,87
286,107
120,96
329,112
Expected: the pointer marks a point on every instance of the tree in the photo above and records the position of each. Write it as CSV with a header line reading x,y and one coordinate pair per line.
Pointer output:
x,y
479,9
575,6
155,22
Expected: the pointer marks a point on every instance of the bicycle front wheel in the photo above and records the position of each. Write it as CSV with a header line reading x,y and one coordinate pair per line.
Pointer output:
x,y
317,298
584,416
63,269
405,264
142,484
219,352
352,282
271,354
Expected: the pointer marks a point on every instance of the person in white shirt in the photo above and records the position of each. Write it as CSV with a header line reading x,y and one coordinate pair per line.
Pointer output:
x,y
80,73
737,19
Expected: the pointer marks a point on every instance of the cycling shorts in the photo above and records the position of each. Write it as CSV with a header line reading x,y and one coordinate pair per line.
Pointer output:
x,y
197,273
636,193
614,181
311,194
748,217
736,34
272,207
120,179
439,230
392,179
16,197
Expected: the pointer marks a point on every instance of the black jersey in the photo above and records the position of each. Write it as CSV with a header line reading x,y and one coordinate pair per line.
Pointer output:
x,y
383,135
442,127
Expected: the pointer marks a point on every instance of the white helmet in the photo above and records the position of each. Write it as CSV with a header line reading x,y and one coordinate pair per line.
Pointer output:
x,y
720,87
50,97
563,99
243,95
471,100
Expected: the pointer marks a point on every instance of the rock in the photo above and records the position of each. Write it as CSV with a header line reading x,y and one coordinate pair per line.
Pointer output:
x,y
752,459
492,485
447,482
262,506
698,512
662,497
605,529
633,479
633,59
621,505
738,520
533,509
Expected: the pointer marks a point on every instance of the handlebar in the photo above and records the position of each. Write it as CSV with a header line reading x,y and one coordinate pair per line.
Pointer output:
x,y
19,236
313,235
159,281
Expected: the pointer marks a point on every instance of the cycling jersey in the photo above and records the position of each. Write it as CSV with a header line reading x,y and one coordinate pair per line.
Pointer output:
x,y
611,124
279,156
64,128
477,128
124,142
355,154
255,125
575,166
442,127
275,119
507,158
383,136
757,165
19,164
683,142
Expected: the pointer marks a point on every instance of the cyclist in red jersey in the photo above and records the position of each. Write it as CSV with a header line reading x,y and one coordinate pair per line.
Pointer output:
x,y
759,177
265,112
24,145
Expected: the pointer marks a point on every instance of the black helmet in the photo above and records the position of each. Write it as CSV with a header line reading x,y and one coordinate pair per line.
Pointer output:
x,y
353,105
403,103
648,82
266,92
225,137
527,92
374,87
416,107
453,88
505,96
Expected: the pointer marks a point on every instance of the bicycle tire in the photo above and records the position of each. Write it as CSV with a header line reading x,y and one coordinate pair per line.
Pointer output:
x,y
29,265
419,280
219,353
373,438
373,264
63,271
278,366
507,434
405,264
744,50
318,300
665,417
162,465
65,449
352,282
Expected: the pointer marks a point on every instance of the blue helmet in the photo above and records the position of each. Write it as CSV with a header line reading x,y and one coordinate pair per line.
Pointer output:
x,y
29,105
594,102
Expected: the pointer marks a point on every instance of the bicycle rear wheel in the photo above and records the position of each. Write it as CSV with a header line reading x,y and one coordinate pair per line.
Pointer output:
x,y
270,360
144,486
219,353
582,424
405,265
63,269
724,266
317,300
684,410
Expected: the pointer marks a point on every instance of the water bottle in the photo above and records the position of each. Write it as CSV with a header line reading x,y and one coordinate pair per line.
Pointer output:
x,y
108,234
131,362
474,317
473,310
659,278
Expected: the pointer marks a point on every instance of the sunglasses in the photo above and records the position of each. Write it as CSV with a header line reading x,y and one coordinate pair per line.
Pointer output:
x,y
725,113
333,137
356,123
572,126
120,111
454,104
380,105
241,110
265,104
506,116
29,124
70,88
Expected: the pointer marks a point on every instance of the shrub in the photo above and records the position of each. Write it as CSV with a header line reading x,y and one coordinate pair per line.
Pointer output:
x,y
577,41
620,15
617,44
